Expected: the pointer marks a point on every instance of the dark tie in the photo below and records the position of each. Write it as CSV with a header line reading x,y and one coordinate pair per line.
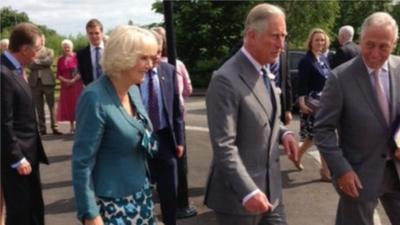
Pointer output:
x,y
270,107
98,67
266,79
274,68
153,102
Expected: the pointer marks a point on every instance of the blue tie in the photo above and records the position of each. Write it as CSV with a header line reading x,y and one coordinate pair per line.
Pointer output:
x,y
153,102
266,80
98,67
274,68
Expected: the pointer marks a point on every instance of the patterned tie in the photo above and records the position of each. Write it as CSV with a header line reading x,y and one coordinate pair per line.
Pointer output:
x,y
266,80
381,96
153,102
99,71
274,68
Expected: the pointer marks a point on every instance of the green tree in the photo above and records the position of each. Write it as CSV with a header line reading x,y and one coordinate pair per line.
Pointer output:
x,y
10,17
354,12
303,16
206,30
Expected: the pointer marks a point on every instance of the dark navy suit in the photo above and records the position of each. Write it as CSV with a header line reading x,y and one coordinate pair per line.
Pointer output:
x,y
85,65
20,139
164,165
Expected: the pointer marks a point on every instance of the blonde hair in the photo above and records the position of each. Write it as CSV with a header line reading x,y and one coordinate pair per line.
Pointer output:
x,y
259,15
125,45
308,43
67,42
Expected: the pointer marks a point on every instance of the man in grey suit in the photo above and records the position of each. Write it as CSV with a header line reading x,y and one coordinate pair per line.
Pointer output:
x,y
354,126
243,108
42,82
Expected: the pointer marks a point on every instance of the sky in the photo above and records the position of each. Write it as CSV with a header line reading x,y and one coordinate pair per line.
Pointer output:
x,y
69,17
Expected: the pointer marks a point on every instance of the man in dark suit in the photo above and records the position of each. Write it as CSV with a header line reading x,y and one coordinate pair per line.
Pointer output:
x,y
243,110
280,69
353,127
348,49
43,82
21,145
161,99
89,57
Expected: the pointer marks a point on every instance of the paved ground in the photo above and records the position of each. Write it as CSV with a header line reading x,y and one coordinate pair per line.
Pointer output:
x,y
308,201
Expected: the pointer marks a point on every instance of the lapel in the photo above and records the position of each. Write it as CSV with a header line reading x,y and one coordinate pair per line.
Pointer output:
x,y
11,71
394,77
276,120
89,62
360,73
114,97
251,77
161,73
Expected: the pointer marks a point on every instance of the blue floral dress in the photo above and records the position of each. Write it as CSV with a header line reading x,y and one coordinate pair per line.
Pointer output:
x,y
135,209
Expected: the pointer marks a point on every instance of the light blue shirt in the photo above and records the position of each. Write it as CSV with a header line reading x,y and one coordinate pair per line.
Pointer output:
x,y
144,89
14,61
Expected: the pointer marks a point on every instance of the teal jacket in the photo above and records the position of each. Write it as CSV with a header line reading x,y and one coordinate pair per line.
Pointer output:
x,y
107,160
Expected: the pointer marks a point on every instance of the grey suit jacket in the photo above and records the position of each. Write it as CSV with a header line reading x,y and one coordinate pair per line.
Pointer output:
x,y
350,107
41,67
244,141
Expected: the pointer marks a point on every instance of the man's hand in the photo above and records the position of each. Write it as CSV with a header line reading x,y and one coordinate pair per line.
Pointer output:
x,y
349,183
179,151
291,147
288,117
24,169
397,154
258,203
95,221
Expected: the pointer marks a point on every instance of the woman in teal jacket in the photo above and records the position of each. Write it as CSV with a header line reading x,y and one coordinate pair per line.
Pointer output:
x,y
113,136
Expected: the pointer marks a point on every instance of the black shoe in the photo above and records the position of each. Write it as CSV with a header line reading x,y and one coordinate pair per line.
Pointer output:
x,y
56,132
190,211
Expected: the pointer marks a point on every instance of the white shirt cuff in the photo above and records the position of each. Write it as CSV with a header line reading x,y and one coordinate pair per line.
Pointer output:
x,y
17,164
249,196
286,133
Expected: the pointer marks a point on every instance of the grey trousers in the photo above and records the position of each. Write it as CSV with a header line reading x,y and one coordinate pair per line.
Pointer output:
x,y
276,217
41,93
355,212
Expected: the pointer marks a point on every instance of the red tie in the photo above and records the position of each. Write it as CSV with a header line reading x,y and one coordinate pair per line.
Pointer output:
x,y
381,96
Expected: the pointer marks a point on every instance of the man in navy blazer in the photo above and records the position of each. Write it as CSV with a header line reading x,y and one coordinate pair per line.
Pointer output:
x,y
89,68
21,145
168,127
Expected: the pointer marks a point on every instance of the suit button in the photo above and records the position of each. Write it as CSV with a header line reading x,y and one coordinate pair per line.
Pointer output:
x,y
383,155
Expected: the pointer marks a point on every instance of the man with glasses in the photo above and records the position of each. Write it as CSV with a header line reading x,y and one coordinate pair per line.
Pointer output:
x,y
21,145
43,83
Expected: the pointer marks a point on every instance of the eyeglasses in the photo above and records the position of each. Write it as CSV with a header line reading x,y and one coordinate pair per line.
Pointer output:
x,y
36,49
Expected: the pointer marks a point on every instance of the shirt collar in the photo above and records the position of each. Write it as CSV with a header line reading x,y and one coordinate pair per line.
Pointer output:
x,y
256,65
384,67
13,60
93,48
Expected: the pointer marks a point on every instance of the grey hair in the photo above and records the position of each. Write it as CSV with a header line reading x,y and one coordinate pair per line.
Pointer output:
x,y
380,19
259,15
347,32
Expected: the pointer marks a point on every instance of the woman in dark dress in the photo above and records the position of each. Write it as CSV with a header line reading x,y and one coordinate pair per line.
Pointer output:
x,y
313,71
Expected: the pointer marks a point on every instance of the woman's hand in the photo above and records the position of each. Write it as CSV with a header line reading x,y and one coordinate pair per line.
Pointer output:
x,y
95,221
303,107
